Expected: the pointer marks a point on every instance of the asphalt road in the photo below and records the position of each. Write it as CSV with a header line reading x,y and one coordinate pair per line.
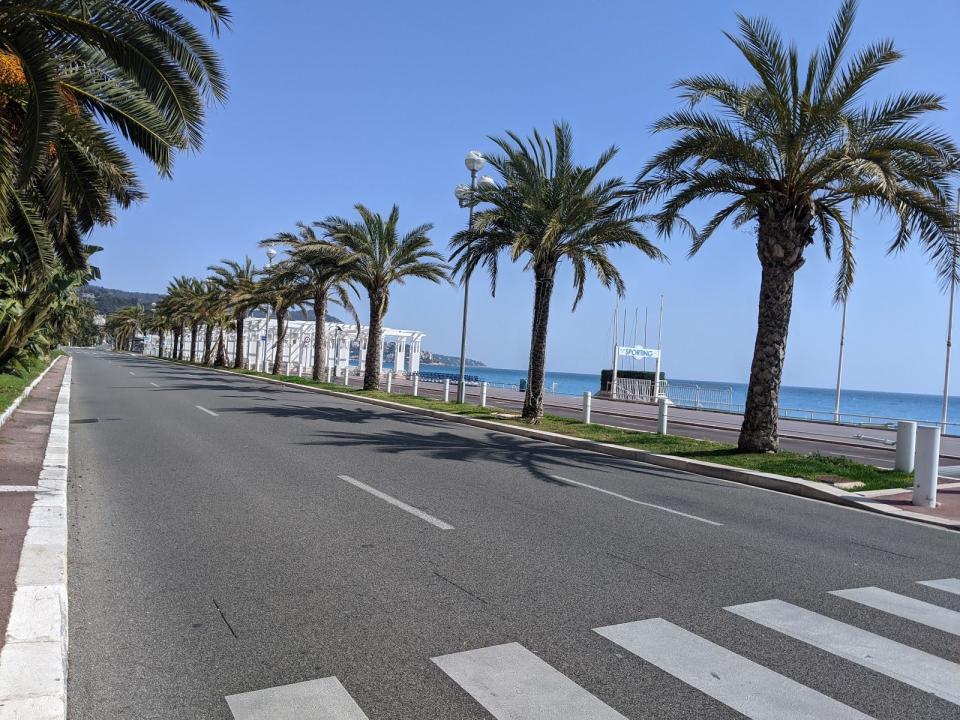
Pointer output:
x,y
216,549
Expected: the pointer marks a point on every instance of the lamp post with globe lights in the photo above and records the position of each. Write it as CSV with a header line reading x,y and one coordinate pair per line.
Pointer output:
x,y
464,194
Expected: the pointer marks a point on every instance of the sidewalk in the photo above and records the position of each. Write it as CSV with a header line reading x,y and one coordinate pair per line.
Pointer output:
x,y
23,442
34,450
948,501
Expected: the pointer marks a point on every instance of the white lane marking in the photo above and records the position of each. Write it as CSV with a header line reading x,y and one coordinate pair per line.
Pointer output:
x,y
514,684
950,585
638,502
901,662
208,412
154,384
397,503
906,607
739,683
324,699
132,372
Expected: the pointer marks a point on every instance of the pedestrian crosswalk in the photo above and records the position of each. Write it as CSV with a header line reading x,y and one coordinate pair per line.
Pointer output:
x,y
510,682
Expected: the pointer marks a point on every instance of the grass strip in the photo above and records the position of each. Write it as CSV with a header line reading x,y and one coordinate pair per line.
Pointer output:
x,y
12,384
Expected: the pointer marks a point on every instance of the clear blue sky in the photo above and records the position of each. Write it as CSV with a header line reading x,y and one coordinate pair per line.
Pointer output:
x,y
377,102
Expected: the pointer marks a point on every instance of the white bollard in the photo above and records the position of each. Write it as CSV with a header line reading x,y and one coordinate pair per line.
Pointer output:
x,y
483,394
416,385
587,405
329,374
662,405
346,376
446,390
906,445
927,466
389,382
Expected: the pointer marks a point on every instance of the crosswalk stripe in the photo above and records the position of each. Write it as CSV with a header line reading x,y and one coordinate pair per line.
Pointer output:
x,y
901,662
906,607
739,683
514,684
950,585
324,699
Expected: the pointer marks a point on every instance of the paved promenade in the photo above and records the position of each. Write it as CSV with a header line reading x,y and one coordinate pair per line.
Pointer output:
x,y
865,444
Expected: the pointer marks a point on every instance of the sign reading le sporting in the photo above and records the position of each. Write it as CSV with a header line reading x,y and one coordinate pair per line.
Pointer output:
x,y
638,351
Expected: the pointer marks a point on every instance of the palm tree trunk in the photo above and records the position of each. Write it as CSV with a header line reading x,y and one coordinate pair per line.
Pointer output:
x,y
240,351
533,400
163,335
180,330
207,343
221,359
782,235
319,332
194,327
281,334
371,376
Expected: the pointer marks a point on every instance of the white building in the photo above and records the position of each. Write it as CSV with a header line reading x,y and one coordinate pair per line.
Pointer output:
x,y
297,358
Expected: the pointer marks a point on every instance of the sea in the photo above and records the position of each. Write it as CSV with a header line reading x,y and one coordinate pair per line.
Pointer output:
x,y
861,406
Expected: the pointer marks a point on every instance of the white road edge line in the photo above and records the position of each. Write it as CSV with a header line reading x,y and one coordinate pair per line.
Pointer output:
x,y
33,661
637,502
208,412
132,372
398,503
154,384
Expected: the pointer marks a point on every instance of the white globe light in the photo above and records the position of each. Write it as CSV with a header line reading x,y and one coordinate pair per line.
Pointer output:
x,y
271,253
474,160
486,182
462,192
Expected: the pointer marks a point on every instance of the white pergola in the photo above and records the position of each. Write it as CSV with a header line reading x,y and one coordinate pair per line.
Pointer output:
x,y
260,339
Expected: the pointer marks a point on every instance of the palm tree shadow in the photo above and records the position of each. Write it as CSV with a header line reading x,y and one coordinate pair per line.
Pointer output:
x,y
541,461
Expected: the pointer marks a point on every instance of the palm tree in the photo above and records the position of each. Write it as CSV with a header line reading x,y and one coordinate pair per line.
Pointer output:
x,y
180,303
548,209
326,268
282,285
383,258
73,76
124,323
795,151
236,281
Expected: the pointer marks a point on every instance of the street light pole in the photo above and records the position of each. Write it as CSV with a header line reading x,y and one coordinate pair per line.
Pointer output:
x,y
843,336
946,368
474,161
271,253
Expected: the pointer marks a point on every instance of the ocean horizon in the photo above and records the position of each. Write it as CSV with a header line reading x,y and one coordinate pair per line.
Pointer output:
x,y
795,401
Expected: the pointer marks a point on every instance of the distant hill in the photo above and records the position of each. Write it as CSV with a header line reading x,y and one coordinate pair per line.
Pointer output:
x,y
432,358
108,300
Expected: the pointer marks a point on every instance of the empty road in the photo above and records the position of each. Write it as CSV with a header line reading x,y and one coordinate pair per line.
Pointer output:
x,y
244,551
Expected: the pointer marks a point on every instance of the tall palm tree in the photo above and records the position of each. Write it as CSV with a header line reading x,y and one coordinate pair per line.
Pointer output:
x,y
236,281
382,259
283,285
326,268
548,209
124,323
75,75
794,150
180,302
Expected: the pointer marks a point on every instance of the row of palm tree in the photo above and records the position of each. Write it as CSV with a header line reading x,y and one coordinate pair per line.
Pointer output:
x,y
795,149
76,79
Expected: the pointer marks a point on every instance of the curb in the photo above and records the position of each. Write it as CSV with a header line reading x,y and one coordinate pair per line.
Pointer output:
x,y
767,481
27,390
33,661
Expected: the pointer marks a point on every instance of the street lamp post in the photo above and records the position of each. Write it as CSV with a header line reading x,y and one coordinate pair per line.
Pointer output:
x,y
946,368
474,161
271,254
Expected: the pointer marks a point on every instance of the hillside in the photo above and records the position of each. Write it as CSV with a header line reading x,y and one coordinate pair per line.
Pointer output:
x,y
108,300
